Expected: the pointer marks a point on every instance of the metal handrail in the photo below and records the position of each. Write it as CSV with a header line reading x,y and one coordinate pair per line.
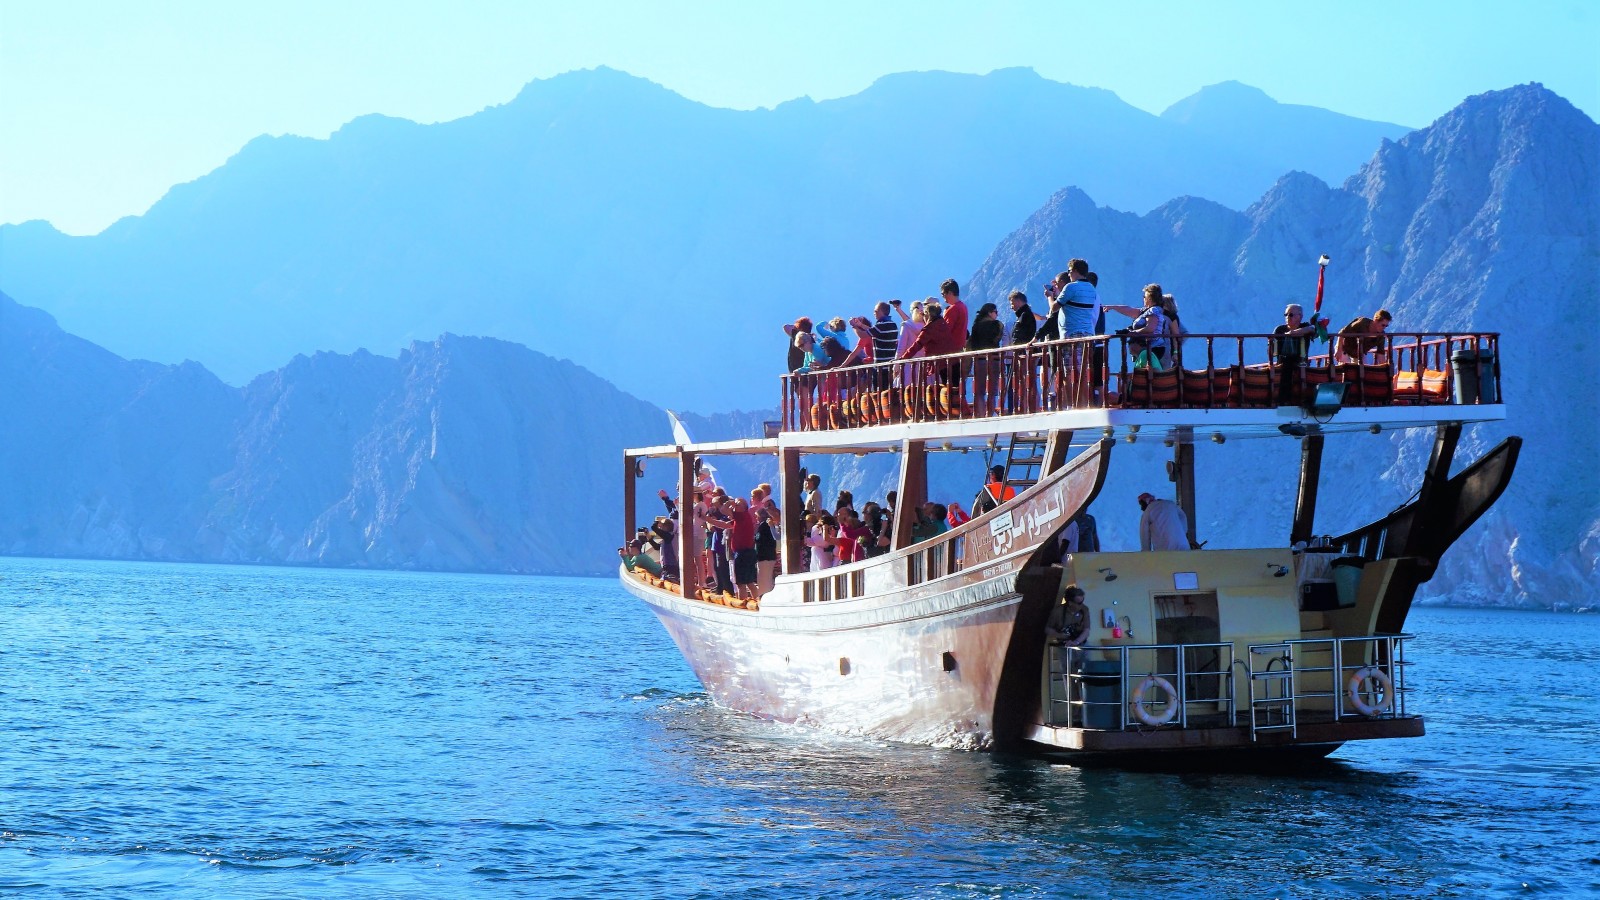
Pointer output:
x,y
1179,677
1386,652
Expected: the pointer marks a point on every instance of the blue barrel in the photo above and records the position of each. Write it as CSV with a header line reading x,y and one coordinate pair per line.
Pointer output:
x,y
1102,693
1474,376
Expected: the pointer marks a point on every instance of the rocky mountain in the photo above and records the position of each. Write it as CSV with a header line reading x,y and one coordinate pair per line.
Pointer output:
x,y
598,210
461,454
1488,219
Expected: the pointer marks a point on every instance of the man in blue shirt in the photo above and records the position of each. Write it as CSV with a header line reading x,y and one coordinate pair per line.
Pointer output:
x,y
1077,308
1075,313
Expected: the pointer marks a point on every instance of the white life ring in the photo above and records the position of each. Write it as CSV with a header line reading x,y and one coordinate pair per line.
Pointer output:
x,y
1384,688
1166,712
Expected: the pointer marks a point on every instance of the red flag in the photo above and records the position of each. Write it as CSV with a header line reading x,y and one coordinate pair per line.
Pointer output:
x,y
1321,271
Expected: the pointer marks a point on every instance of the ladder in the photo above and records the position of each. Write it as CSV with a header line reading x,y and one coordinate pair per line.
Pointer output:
x,y
1025,460
1272,690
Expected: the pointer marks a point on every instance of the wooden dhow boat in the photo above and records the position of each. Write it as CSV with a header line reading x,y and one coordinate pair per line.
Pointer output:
x,y
1189,655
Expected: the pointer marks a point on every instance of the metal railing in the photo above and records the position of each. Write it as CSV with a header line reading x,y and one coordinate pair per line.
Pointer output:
x,y
1098,683
1114,372
1287,682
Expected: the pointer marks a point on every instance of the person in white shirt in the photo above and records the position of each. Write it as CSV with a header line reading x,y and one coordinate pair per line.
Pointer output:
x,y
1163,526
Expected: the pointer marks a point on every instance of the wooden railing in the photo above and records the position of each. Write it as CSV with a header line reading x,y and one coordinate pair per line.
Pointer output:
x,y
1111,372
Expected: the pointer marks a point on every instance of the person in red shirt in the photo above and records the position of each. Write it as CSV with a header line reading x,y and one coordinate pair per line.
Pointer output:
x,y
955,312
741,531
854,536
956,516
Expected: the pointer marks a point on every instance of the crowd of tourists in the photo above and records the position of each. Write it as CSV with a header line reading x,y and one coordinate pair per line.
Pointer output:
x,y
738,542
941,326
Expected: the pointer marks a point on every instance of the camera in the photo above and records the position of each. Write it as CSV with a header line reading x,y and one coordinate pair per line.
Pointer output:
x,y
894,302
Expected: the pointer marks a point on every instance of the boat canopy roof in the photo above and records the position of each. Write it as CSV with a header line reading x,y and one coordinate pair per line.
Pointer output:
x,y
1175,425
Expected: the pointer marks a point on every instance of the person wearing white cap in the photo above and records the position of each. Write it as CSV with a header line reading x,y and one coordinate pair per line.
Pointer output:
x,y
1163,526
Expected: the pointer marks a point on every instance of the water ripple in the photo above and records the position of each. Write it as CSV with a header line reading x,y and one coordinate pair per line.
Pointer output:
x,y
199,731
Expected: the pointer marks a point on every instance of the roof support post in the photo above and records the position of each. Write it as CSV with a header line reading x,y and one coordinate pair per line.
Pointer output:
x,y
912,491
630,500
1055,451
688,547
794,513
1183,475
1305,502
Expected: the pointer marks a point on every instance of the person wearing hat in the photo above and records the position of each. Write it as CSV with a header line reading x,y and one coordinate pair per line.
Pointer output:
x,y
1068,625
1163,525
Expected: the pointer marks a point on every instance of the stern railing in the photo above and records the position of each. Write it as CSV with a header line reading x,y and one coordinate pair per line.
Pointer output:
x,y
1287,683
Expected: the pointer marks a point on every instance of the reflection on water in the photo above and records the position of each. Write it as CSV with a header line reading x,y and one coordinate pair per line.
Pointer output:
x,y
192,731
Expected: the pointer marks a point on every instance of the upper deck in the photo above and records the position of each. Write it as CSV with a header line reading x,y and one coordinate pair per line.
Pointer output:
x,y
1221,386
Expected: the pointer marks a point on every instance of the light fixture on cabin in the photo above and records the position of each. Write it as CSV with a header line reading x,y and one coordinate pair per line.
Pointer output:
x,y
1217,438
1168,442
994,442
1109,432
1110,575
946,445
1278,569
1293,429
1374,428
638,467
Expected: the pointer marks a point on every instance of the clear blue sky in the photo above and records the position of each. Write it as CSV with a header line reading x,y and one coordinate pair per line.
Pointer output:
x,y
104,105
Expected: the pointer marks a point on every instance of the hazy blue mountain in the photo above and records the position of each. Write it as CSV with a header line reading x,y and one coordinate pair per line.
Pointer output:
x,y
597,210
1256,126
1487,219
461,454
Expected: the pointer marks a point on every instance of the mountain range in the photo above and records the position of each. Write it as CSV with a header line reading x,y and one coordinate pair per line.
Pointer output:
x,y
597,209
461,454
1488,220
480,454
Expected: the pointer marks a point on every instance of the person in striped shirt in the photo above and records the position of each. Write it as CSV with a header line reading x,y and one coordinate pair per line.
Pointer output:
x,y
885,335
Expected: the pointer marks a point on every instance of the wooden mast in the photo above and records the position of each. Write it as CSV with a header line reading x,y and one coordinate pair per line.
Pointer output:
x,y
1305,502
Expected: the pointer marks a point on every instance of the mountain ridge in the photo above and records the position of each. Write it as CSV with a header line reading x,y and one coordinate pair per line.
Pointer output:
x,y
1451,228
598,182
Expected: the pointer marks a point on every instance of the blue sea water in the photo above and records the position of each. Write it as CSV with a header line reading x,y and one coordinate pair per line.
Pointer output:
x,y
207,731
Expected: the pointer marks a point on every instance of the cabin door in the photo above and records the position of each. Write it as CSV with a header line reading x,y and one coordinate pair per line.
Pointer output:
x,y
1191,619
